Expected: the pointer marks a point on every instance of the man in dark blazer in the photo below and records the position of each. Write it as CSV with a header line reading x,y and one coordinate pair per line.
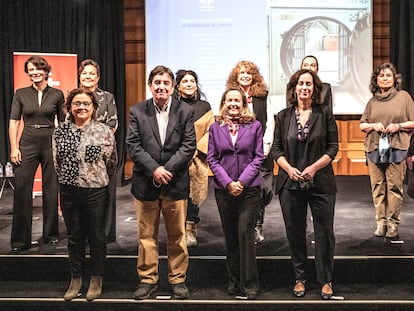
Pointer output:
x,y
161,142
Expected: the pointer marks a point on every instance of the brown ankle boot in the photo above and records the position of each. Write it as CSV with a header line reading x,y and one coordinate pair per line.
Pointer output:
x,y
191,233
381,230
95,288
74,289
392,230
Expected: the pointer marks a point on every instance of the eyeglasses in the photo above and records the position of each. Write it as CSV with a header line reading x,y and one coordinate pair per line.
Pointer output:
x,y
80,104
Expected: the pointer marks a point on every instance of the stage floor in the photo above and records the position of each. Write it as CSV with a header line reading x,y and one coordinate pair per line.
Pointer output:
x,y
354,226
370,273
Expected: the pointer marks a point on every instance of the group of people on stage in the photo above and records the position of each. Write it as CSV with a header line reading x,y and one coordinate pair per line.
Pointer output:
x,y
174,139
74,144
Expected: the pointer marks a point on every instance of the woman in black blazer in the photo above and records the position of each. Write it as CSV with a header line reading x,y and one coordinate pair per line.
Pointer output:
x,y
311,62
305,143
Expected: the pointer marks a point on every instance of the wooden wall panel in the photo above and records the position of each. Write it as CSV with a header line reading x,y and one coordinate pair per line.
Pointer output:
x,y
354,133
340,164
355,149
135,84
135,92
381,31
134,31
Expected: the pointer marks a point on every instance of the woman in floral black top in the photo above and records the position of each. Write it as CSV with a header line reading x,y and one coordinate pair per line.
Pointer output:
x,y
89,76
85,158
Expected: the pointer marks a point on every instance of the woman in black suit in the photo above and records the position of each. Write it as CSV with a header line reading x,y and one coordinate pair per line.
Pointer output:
x,y
305,143
311,62
37,106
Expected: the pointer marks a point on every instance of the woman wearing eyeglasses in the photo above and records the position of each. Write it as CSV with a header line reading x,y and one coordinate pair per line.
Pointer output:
x,y
85,159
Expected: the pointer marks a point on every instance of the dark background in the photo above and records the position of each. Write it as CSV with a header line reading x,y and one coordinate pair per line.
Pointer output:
x,y
90,29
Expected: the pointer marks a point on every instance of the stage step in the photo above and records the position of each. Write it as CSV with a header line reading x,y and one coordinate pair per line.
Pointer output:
x,y
211,269
366,283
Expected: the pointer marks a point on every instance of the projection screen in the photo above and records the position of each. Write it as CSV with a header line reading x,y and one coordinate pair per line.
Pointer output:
x,y
211,36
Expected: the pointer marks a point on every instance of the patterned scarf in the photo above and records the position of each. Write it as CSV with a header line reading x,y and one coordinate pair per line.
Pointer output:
x,y
233,123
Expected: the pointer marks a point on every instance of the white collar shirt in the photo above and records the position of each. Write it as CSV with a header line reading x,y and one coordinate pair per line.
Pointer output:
x,y
162,115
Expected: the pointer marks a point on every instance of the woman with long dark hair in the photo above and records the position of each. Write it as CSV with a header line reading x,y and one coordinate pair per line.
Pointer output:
x,y
305,144
188,89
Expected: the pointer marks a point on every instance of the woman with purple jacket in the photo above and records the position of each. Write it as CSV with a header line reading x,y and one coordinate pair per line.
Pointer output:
x,y
235,154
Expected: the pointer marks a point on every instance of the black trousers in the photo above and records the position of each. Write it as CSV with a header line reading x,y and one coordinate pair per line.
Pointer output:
x,y
294,204
192,211
84,214
110,215
35,147
266,189
238,218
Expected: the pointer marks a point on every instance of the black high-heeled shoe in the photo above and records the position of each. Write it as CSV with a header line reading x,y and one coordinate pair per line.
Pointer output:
x,y
298,291
327,295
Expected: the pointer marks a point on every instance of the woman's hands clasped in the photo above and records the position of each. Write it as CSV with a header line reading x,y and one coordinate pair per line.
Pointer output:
x,y
390,129
235,188
307,174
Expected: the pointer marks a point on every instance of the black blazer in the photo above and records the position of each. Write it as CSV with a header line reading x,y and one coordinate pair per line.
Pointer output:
x,y
322,139
326,95
145,149
260,111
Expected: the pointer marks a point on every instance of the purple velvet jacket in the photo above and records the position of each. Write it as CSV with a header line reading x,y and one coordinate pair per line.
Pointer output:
x,y
240,161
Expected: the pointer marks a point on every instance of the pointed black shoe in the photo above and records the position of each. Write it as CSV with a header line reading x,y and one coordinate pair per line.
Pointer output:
x,y
299,290
327,295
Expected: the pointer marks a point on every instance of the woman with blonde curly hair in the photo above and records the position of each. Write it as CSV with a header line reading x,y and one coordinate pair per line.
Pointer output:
x,y
247,76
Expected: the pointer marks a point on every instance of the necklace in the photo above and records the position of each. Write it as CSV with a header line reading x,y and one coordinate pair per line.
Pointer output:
x,y
303,131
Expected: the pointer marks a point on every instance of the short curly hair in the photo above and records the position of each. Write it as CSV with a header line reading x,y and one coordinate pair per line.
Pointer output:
x,y
87,62
373,85
39,62
78,91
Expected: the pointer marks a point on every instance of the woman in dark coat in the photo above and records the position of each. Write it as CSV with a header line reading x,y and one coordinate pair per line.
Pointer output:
x,y
305,143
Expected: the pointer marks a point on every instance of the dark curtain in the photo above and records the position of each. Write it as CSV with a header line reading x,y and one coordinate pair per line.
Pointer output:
x,y
402,40
88,28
